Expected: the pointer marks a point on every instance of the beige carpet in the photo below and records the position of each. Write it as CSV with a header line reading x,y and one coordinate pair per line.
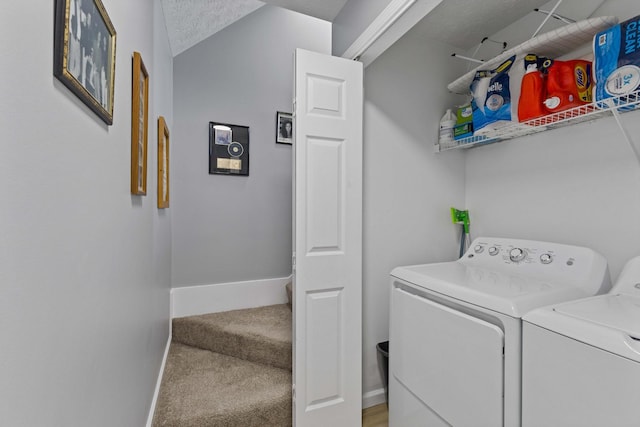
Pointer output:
x,y
228,369
261,335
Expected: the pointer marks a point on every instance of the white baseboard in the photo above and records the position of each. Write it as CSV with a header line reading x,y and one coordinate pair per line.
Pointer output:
x,y
154,401
194,300
373,398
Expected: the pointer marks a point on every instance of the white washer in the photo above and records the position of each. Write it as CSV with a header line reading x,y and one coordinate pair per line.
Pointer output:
x,y
581,360
455,328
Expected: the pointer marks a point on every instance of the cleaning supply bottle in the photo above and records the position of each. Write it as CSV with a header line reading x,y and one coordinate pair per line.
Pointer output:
x,y
568,84
447,123
532,92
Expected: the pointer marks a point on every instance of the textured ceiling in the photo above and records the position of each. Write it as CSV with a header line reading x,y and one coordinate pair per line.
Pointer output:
x,y
464,23
191,21
460,23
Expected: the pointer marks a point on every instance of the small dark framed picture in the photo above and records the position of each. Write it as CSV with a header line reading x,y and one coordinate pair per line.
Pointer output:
x,y
284,128
85,53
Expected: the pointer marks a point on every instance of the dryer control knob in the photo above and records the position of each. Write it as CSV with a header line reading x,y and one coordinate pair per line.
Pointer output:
x,y
546,258
517,254
493,251
478,249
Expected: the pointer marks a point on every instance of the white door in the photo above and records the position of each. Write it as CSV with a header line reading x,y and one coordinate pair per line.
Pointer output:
x,y
327,241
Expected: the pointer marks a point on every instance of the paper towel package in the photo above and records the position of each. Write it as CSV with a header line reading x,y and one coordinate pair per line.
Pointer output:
x,y
495,96
616,64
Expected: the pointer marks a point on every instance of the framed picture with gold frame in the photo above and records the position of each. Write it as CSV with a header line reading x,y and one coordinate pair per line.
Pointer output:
x,y
139,125
84,58
163,163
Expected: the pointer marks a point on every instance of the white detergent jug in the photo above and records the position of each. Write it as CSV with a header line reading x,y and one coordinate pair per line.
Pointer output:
x,y
447,123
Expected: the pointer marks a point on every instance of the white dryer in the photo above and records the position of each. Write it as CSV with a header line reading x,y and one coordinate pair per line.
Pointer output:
x,y
581,360
455,328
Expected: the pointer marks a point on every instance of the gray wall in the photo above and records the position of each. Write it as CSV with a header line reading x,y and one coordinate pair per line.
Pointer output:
x,y
162,92
576,185
83,311
235,228
353,19
408,189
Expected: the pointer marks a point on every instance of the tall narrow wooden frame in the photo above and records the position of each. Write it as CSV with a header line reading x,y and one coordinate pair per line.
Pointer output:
x,y
163,163
139,125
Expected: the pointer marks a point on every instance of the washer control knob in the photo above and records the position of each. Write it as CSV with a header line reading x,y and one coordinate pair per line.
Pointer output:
x,y
517,254
478,249
546,258
493,251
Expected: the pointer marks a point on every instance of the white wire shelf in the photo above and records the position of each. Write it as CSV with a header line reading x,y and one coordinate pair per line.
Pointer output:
x,y
552,44
568,117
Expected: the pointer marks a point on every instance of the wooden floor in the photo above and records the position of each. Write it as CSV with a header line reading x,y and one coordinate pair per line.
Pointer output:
x,y
376,416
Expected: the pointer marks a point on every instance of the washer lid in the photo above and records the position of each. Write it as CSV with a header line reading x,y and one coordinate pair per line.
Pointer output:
x,y
501,291
621,312
609,322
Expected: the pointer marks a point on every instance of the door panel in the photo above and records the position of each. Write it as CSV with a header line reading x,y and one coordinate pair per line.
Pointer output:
x,y
326,96
325,195
327,241
324,348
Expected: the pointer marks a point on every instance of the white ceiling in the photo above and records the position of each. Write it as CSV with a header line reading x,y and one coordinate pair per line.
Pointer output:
x,y
460,23
191,21
322,9
465,23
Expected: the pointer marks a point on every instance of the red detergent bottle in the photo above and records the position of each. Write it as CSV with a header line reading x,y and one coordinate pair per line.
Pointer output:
x,y
568,84
532,91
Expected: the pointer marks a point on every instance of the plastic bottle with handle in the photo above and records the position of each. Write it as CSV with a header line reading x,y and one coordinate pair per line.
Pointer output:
x,y
447,123
532,91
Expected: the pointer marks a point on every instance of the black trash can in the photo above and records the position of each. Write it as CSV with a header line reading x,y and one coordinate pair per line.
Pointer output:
x,y
383,366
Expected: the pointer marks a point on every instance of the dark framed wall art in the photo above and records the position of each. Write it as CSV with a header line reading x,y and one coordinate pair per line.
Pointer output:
x,y
139,125
85,53
284,128
228,149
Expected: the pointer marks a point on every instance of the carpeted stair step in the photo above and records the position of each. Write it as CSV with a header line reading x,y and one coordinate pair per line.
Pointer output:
x,y
201,388
261,335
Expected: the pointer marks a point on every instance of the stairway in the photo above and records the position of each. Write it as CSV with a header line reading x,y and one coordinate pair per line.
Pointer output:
x,y
230,369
